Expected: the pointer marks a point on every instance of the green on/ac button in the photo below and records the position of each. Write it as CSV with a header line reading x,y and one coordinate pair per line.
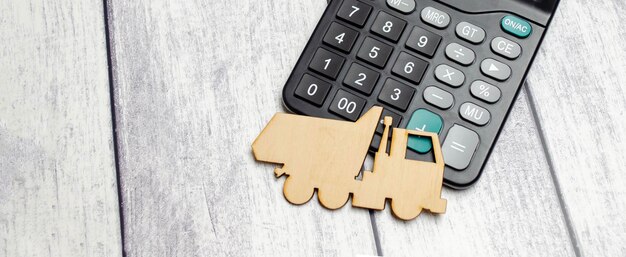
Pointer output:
x,y
516,26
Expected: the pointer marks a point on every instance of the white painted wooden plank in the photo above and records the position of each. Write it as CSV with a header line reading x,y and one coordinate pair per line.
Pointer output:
x,y
578,86
195,82
58,192
512,211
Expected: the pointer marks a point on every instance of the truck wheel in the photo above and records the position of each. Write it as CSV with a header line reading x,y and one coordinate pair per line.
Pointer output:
x,y
405,211
297,191
332,199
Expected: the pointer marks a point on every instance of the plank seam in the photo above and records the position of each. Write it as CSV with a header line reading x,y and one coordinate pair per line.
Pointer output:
x,y
107,35
379,249
555,181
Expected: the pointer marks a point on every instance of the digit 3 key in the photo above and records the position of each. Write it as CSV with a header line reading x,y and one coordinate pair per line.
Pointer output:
x,y
450,67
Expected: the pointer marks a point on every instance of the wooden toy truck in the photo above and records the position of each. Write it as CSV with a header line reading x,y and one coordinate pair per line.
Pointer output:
x,y
327,155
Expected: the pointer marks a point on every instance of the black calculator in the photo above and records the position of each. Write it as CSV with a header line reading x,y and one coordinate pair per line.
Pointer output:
x,y
452,67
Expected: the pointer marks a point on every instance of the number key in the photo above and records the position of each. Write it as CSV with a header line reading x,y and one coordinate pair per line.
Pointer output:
x,y
361,79
423,41
347,105
388,26
354,12
375,52
410,68
340,37
312,89
396,94
326,63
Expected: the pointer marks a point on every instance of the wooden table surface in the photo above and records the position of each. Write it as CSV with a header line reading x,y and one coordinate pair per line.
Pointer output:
x,y
128,124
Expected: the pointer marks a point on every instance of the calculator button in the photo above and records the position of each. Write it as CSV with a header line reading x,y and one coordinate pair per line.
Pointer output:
x,y
435,18
396,94
423,41
361,79
326,63
470,32
347,105
312,89
375,52
516,26
449,76
459,147
495,69
354,12
506,48
423,120
439,98
396,119
474,114
403,6
460,54
485,91
341,37
388,26
410,68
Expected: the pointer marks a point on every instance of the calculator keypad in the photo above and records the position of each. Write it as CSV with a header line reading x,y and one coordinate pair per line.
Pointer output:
x,y
428,69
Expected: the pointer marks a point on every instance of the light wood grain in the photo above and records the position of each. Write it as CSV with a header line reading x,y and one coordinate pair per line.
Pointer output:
x,y
512,211
326,155
195,82
578,86
316,153
410,185
58,193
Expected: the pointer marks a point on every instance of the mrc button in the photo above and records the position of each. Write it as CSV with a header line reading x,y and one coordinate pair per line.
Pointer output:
x,y
435,18
516,26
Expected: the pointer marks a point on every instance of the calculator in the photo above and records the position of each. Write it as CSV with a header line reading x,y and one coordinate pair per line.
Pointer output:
x,y
452,67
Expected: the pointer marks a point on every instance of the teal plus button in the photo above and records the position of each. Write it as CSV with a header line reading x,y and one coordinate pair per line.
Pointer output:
x,y
423,120
516,26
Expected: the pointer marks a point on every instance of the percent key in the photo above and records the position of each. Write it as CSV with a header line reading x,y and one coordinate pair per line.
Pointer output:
x,y
485,91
